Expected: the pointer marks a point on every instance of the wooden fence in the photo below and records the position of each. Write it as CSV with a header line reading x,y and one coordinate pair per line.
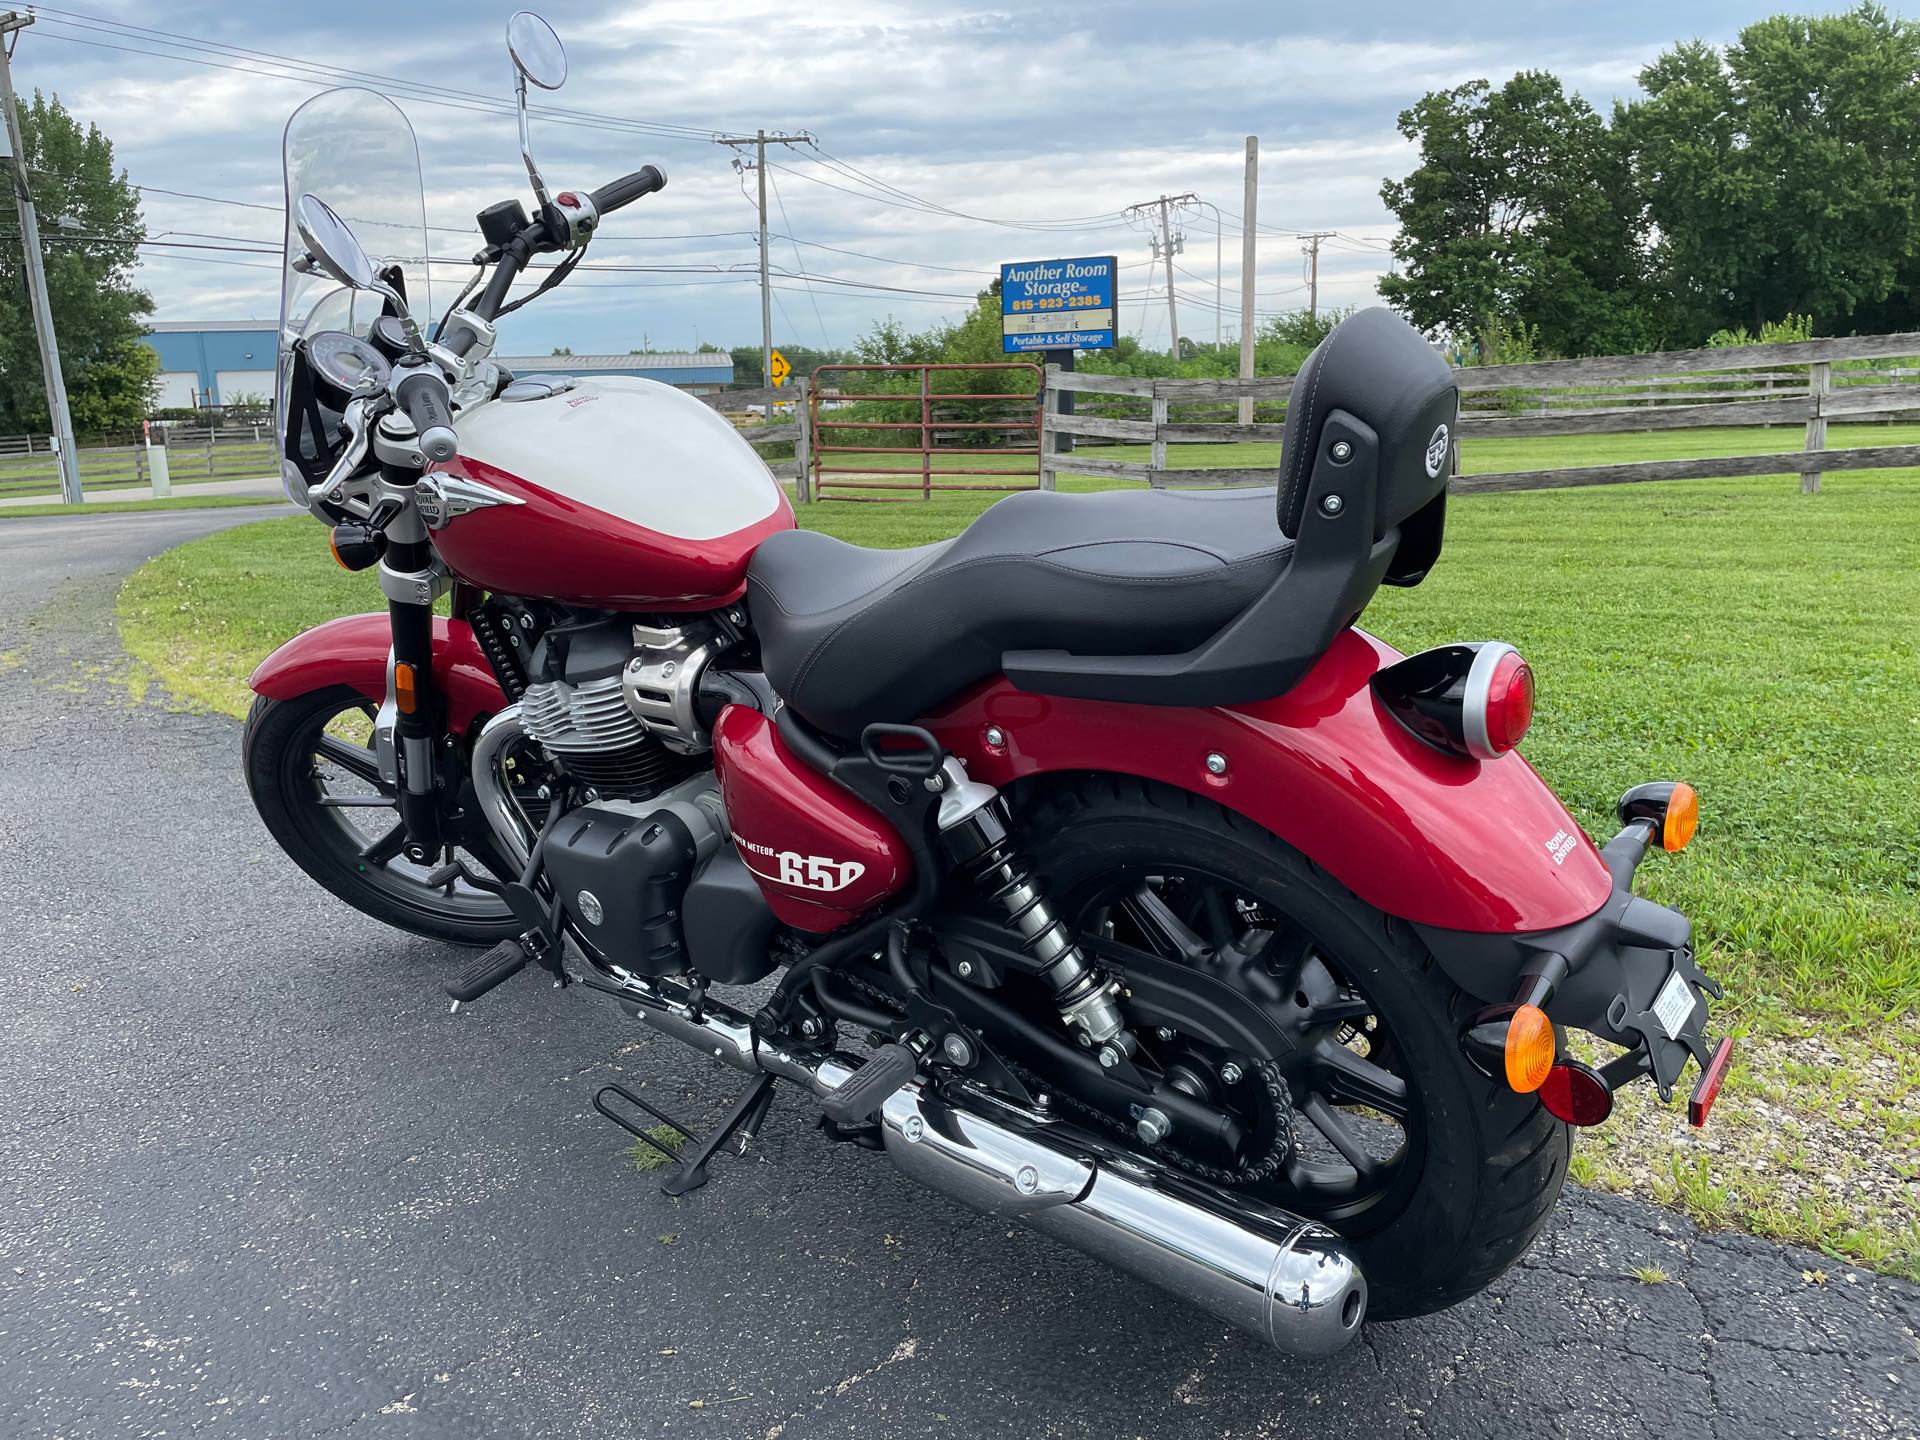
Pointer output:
x,y
1802,384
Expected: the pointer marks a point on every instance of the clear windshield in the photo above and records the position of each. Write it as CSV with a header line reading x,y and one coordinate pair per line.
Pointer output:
x,y
355,150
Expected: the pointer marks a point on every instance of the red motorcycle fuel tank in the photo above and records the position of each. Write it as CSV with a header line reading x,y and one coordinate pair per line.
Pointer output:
x,y
820,855
632,495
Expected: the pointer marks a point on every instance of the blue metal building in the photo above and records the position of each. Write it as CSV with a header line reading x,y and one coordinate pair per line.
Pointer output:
x,y
211,362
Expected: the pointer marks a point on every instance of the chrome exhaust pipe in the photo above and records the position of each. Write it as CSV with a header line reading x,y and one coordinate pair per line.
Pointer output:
x,y
1287,1280
504,819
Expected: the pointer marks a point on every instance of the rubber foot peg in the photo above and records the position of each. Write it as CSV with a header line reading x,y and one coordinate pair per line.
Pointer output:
x,y
859,1099
497,966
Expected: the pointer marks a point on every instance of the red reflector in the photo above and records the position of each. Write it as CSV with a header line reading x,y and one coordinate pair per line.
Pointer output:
x,y
1576,1094
1708,1090
1509,702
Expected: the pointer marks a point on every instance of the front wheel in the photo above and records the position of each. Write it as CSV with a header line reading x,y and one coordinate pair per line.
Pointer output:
x,y
314,779
1438,1177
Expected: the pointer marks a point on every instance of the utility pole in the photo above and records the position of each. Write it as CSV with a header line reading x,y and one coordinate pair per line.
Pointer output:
x,y
10,26
1247,249
1310,247
1164,245
760,139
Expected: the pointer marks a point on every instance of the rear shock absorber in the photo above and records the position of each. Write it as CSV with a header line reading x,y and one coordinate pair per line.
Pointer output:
x,y
981,843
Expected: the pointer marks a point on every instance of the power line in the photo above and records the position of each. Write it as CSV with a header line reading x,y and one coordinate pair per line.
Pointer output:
x,y
458,99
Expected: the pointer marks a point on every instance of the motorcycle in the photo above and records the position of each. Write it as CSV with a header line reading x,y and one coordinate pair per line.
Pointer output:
x,y
1091,865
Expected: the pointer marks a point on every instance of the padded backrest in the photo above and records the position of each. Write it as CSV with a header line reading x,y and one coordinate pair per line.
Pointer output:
x,y
1380,370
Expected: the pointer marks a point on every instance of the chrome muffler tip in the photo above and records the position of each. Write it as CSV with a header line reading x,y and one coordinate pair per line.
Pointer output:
x,y
1316,1295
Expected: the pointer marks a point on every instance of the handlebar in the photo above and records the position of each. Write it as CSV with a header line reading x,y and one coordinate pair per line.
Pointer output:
x,y
628,188
536,239
423,395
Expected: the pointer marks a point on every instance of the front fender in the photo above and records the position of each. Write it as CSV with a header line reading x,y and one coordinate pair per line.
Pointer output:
x,y
353,651
1434,839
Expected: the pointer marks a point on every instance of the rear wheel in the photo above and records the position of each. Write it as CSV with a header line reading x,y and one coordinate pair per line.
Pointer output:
x,y
1438,1177
316,783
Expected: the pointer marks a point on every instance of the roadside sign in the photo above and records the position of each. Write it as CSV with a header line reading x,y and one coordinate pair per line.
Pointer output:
x,y
1059,304
778,369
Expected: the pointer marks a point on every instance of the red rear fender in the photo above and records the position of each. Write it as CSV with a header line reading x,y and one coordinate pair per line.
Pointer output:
x,y
1432,838
353,651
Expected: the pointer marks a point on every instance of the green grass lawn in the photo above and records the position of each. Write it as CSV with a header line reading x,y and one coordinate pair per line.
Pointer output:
x,y
1735,633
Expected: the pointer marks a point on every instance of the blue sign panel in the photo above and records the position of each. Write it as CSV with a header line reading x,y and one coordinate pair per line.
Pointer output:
x,y
1059,304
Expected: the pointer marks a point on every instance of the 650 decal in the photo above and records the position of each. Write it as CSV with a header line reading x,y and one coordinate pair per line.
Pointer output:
x,y
805,872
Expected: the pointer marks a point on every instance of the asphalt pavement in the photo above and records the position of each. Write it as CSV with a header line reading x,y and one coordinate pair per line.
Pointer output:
x,y
255,1180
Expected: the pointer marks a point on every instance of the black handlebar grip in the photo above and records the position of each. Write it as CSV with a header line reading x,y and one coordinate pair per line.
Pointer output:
x,y
628,188
423,395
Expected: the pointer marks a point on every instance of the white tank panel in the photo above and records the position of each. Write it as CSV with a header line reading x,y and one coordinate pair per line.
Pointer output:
x,y
635,448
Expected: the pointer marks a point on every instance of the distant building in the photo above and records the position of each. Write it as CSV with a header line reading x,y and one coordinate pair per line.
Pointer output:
x,y
703,374
210,362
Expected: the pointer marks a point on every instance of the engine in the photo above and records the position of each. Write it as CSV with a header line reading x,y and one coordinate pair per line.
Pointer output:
x,y
613,702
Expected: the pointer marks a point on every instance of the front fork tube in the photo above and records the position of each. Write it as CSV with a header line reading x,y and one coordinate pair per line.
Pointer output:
x,y
414,706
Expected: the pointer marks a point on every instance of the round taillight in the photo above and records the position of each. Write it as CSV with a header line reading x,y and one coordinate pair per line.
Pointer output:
x,y
1497,707
1576,1094
1509,702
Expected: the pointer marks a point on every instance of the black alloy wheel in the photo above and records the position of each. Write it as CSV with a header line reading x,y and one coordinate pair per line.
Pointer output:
x,y
316,782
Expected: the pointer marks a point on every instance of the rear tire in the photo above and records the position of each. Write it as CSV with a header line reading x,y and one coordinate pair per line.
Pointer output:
x,y
1483,1167
286,776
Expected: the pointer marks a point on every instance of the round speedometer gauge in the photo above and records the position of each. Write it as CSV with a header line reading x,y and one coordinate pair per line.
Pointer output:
x,y
346,363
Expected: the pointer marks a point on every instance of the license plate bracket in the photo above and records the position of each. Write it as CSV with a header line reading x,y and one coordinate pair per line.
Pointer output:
x,y
1671,1026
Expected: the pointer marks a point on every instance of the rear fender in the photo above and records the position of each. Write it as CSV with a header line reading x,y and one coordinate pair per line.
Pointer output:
x,y
1435,839
353,651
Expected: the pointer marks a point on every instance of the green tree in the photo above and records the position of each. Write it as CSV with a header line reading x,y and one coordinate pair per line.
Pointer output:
x,y
1521,209
90,263
1780,174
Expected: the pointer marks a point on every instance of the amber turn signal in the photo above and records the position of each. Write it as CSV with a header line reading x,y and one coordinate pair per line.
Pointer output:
x,y
355,546
1683,818
1669,808
1530,1049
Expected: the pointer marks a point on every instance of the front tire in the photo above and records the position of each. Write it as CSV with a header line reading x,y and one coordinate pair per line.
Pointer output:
x,y
311,770
1478,1169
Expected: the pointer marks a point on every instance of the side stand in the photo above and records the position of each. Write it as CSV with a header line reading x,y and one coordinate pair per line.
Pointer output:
x,y
743,1118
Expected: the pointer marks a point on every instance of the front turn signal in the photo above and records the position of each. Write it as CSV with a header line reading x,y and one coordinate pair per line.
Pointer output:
x,y
1529,1049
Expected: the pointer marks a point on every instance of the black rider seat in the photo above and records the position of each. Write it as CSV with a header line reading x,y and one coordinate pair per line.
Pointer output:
x,y
851,636
1152,597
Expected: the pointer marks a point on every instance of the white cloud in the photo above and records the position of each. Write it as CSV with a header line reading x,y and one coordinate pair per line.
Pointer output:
x,y
1025,112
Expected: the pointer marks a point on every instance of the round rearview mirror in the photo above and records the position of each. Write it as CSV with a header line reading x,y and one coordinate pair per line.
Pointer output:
x,y
331,243
537,51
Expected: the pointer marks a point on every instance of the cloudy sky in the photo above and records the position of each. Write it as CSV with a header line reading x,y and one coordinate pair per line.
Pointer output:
x,y
952,136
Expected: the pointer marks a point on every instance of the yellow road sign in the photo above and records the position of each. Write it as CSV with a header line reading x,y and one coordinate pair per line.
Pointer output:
x,y
779,369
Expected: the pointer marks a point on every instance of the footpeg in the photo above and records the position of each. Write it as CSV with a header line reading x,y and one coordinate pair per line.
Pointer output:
x,y
859,1098
496,967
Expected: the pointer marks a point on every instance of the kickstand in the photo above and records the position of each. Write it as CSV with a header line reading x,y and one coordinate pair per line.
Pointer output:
x,y
743,1118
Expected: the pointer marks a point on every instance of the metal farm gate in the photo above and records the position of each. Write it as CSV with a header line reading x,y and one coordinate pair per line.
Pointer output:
x,y
947,431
